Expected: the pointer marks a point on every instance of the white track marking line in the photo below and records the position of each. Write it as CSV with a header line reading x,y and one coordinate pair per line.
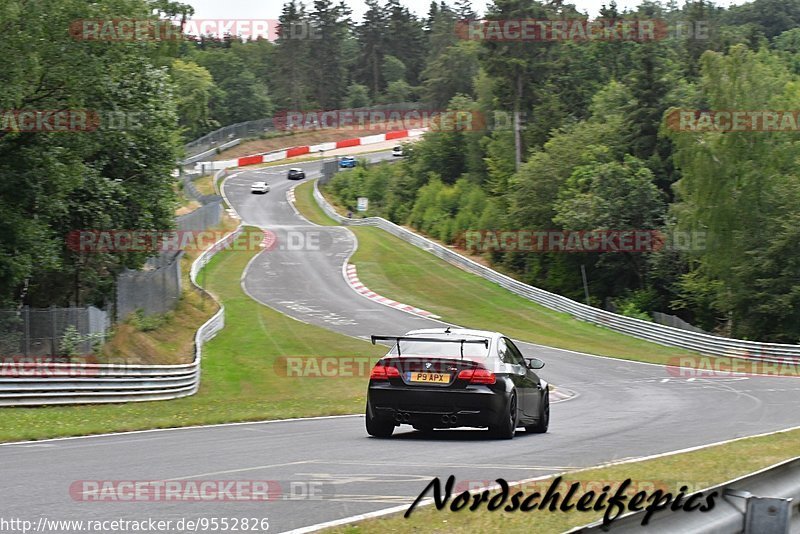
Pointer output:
x,y
240,470
429,501
453,466
179,428
214,473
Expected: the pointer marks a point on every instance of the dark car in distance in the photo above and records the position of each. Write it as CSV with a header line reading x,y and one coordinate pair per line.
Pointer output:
x,y
448,378
296,174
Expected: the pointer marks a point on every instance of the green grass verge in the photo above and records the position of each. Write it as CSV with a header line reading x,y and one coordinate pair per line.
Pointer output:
x,y
205,184
305,203
400,271
393,268
239,378
697,470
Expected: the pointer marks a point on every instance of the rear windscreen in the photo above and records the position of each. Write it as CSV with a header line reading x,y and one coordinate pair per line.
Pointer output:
x,y
444,349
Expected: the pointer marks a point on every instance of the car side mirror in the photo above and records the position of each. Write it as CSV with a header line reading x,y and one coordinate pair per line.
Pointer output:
x,y
534,363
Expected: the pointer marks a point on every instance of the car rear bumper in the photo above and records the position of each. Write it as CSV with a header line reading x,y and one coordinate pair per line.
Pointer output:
x,y
476,406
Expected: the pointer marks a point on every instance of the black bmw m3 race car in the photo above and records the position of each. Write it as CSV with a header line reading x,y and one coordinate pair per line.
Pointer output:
x,y
447,378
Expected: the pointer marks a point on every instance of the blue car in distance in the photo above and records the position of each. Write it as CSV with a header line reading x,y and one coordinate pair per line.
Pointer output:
x,y
348,162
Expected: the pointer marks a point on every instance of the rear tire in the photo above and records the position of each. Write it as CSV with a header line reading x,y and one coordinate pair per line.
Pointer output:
x,y
380,428
544,416
508,427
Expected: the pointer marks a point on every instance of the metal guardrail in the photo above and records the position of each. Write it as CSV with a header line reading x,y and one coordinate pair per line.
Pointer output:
x,y
65,383
657,333
234,133
765,502
226,134
210,153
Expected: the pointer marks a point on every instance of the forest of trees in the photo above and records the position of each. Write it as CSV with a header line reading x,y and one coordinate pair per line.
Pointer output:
x,y
110,178
596,153
392,56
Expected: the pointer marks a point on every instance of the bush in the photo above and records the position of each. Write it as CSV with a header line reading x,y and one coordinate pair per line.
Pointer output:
x,y
71,340
148,323
629,309
440,210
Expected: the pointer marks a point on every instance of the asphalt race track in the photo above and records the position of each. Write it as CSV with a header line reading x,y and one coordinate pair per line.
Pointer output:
x,y
621,410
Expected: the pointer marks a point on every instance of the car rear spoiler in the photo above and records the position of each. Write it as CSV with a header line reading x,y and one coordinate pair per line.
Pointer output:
x,y
397,339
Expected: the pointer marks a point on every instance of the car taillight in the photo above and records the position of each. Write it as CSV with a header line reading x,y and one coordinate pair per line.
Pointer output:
x,y
380,372
478,376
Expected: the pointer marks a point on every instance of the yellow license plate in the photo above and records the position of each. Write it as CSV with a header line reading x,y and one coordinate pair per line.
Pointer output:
x,y
434,378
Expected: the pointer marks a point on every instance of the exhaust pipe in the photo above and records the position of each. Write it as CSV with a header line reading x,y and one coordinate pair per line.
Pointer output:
x,y
449,419
406,417
398,417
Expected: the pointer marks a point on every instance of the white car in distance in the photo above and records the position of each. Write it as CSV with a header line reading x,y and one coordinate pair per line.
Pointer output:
x,y
259,187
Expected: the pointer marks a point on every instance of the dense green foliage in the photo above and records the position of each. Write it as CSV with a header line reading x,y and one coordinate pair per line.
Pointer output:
x,y
594,150
117,176
598,153
391,56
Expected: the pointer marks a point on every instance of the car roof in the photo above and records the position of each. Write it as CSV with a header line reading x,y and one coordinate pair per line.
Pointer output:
x,y
348,157
296,169
259,183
